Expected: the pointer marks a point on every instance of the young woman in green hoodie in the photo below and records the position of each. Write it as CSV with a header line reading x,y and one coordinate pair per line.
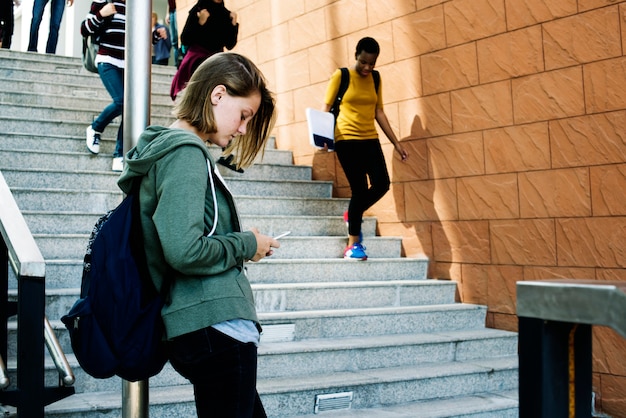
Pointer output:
x,y
193,238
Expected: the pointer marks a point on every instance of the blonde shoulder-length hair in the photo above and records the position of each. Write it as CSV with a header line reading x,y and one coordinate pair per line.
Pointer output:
x,y
241,78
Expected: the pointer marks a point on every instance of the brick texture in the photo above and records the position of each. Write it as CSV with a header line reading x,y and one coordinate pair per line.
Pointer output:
x,y
514,114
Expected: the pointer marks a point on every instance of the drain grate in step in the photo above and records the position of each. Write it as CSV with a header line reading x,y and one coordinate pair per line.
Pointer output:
x,y
333,401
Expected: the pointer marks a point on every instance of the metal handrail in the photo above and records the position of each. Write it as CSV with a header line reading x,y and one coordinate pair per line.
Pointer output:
x,y
58,356
24,254
575,301
28,264
4,377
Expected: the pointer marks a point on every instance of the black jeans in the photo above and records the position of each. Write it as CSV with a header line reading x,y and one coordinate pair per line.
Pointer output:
x,y
360,160
222,371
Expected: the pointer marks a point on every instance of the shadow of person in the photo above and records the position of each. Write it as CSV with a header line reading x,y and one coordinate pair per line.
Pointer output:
x,y
421,203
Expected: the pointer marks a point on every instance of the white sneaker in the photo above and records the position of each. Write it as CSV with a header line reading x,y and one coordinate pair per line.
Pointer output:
x,y
118,164
93,140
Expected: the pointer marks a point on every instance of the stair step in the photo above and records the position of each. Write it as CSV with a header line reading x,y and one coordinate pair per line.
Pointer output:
x,y
66,246
63,274
333,323
502,404
41,106
21,61
20,147
288,297
377,322
88,90
51,160
325,356
41,222
342,323
328,356
337,269
69,127
19,142
289,397
99,202
107,181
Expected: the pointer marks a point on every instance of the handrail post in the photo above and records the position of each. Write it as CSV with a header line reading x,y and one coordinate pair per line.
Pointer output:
x,y
554,369
136,117
30,356
555,342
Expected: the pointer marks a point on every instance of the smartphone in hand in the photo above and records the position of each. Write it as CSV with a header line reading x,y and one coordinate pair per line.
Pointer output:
x,y
284,234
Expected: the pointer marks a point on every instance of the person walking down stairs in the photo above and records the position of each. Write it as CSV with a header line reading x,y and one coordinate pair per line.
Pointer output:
x,y
108,20
356,139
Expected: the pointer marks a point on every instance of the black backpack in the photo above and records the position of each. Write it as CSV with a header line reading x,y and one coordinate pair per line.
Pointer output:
x,y
343,86
116,327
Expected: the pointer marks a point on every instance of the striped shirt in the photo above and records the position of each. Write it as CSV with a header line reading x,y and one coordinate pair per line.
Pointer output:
x,y
110,30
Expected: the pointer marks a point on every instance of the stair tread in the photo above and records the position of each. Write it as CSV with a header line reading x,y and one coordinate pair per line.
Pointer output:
x,y
389,340
390,310
168,394
385,375
465,406
355,343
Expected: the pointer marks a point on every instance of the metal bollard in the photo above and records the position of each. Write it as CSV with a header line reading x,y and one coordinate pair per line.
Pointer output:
x,y
135,399
136,117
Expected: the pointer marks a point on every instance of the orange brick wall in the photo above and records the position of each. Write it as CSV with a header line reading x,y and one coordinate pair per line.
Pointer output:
x,y
514,114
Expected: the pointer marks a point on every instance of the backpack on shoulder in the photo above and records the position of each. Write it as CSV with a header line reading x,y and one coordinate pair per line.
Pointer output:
x,y
90,51
91,45
115,326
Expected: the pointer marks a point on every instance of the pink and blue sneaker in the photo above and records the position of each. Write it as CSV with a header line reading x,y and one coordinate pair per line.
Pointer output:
x,y
355,252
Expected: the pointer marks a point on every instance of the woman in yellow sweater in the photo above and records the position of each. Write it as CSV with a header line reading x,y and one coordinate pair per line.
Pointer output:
x,y
356,140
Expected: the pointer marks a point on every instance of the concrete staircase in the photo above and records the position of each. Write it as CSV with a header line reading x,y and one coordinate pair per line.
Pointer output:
x,y
343,338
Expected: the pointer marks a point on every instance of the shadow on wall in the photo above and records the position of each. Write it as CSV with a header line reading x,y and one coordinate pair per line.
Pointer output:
x,y
422,203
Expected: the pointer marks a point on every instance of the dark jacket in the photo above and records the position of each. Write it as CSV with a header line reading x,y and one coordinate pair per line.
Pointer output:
x,y
162,47
216,34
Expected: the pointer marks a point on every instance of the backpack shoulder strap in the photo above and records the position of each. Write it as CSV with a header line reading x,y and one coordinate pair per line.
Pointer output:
x,y
343,86
376,76
345,81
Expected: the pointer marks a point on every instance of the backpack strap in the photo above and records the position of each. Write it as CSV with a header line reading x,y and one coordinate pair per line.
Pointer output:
x,y
343,86
376,76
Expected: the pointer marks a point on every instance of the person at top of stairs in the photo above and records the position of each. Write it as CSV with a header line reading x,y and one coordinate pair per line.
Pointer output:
x,y
108,21
210,27
356,140
7,22
57,7
193,237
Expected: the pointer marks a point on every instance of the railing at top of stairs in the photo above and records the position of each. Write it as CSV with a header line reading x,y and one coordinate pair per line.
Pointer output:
x,y
555,320
19,250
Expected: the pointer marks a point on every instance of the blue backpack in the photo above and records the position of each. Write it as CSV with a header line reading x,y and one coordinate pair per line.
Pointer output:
x,y
116,327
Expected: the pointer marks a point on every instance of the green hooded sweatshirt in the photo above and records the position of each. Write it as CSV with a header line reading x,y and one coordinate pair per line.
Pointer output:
x,y
200,260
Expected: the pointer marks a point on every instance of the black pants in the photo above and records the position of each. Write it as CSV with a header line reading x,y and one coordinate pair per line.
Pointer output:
x,y
6,23
362,160
222,371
